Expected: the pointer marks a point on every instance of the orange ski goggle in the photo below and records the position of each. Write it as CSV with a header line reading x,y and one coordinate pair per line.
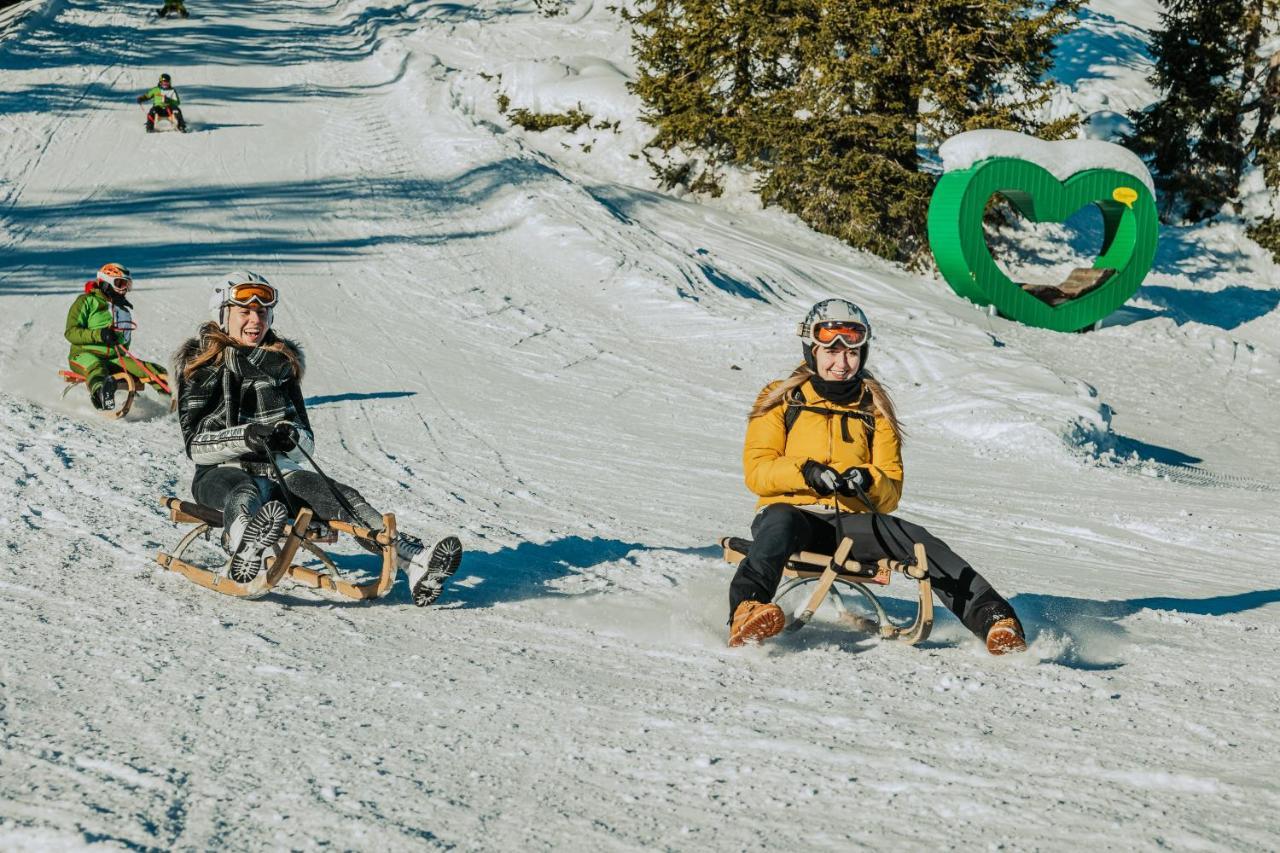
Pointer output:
x,y
827,334
247,294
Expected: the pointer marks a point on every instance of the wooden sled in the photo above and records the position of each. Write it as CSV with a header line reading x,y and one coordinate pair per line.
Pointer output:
x,y
828,572
280,564
124,379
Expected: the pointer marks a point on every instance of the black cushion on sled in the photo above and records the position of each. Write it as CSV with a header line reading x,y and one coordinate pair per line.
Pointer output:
x,y
209,515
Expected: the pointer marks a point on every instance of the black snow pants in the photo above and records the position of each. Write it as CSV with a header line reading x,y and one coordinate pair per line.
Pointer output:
x,y
237,493
780,530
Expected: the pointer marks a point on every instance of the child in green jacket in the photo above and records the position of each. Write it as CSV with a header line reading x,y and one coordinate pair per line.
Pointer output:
x,y
164,102
99,328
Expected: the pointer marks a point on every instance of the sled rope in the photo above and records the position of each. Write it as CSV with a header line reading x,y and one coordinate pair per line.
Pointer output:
x,y
122,351
284,489
342,500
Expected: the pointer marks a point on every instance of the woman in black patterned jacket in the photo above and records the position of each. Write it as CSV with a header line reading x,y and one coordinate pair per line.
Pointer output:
x,y
244,424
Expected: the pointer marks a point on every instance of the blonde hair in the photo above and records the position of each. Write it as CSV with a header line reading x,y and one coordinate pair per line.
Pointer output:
x,y
213,345
787,392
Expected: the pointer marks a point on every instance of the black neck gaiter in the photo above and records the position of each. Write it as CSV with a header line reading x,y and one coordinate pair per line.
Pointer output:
x,y
844,393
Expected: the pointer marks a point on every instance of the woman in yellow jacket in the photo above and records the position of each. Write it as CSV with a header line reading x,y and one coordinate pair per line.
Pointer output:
x,y
828,435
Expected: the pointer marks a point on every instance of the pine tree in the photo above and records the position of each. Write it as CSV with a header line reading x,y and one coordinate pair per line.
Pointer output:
x,y
830,101
1217,113
1261,84
1192,135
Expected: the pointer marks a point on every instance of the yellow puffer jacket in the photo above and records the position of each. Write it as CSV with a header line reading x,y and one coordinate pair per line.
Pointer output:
x,y
772,457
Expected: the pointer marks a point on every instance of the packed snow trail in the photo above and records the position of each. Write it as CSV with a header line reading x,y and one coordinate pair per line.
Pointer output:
x,y
515,338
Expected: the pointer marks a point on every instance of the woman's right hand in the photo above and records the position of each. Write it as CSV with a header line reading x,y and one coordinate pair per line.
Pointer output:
x,y
256,437
823,479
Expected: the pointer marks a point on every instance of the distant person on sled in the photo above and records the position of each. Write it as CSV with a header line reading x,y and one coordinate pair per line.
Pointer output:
x,y
100,329
823,452
172,7
164,102
245,425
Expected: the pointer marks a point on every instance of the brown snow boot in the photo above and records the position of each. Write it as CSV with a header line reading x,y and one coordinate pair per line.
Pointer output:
x,y
754,621
1005,636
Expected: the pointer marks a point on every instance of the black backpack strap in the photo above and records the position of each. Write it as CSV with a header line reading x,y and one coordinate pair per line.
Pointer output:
x,y
797,404
792,411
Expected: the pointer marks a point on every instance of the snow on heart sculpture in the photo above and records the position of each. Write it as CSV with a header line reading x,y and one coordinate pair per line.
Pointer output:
x,y
1045,182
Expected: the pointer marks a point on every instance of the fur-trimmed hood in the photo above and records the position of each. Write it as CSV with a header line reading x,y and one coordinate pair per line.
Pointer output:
x,y
193,346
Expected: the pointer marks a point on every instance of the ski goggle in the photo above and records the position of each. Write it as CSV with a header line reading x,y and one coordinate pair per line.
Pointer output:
x,y
121,284
252,292
828,334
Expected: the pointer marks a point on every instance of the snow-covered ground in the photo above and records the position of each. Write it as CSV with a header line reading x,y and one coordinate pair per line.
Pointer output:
x,y
514,336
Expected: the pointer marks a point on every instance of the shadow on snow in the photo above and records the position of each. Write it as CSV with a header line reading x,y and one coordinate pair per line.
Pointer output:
x,y
279,229
1097,638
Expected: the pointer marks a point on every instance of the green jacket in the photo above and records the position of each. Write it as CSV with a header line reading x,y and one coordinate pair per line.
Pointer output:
x,y
89,315
162,97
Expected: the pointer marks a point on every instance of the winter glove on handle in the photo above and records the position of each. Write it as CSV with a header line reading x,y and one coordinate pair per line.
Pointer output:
x,y
283,438
823,479
109,336
257,437
854,480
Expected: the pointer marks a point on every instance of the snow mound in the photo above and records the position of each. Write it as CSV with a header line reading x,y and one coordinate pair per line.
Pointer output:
x,y
1061,159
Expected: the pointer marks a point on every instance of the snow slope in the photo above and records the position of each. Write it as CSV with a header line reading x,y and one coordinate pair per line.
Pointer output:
x,y
513,336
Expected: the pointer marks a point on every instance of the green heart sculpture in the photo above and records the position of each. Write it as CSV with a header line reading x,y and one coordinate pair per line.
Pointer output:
x,y
1130,230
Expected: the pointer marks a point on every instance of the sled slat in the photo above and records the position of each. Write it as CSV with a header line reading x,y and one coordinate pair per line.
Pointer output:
x,y
812,564
361,532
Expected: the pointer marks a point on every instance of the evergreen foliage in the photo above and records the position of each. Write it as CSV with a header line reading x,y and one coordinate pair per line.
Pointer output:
x,y
829,102
1217,114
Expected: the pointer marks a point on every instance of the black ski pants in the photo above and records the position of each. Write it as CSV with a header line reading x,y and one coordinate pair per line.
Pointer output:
x,y
780,530
237,493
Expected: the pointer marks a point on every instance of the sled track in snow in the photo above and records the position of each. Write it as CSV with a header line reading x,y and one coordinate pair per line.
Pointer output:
x,y
1192,476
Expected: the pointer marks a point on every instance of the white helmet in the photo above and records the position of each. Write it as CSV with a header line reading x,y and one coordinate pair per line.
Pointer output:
x,y
242,287
833,321
843,316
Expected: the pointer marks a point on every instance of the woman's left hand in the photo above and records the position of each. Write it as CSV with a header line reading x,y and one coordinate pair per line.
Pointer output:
x,y
854,480
283,438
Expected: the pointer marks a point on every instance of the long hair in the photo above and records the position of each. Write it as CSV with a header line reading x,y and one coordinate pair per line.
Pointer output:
x,y
787,390
213,345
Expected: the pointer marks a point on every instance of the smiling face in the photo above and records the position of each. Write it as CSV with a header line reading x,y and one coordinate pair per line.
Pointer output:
x,y
247,324
837,363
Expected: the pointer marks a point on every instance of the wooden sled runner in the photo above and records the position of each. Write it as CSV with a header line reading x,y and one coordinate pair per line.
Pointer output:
x,y
829,572
303,532
124,380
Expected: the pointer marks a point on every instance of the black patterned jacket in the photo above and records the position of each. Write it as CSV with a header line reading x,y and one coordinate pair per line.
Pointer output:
x,y
251,386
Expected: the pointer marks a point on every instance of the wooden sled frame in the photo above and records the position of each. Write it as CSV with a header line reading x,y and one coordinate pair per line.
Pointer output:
x,y
280,565
131,383
829,572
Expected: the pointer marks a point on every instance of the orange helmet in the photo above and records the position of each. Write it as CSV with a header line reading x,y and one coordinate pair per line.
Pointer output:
x,y
116,277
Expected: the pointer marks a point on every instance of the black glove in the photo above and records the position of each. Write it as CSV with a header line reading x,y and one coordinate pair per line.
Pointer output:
x,y
823,479
283,438
854,480
256,437
141,98
109,336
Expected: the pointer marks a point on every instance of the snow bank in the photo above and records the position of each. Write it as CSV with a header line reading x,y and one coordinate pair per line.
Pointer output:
x,y
589,83
1061,159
